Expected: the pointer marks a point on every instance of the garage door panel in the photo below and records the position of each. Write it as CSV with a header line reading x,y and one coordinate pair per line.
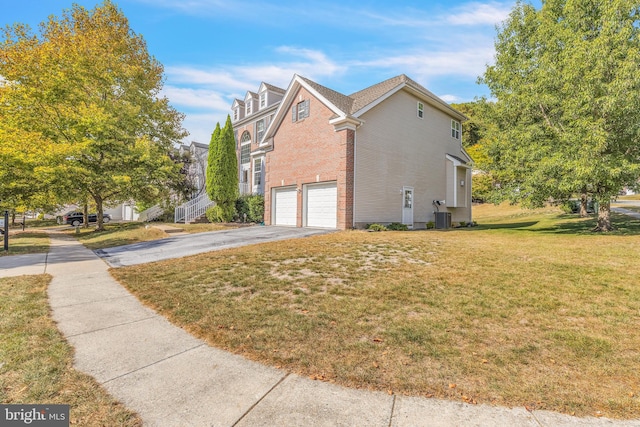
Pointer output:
x,y
322,205
286,206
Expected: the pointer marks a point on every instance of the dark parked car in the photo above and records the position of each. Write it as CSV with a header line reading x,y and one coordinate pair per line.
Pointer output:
x,y
77,218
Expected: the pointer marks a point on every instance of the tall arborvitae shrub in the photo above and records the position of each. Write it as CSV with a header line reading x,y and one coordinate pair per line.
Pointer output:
x,y
222,172
213,150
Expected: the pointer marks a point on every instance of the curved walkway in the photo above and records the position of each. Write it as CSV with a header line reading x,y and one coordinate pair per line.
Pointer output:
x,y
173,379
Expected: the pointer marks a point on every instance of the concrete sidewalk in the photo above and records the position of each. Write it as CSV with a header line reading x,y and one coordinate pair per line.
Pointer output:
x,y
173,379
18,265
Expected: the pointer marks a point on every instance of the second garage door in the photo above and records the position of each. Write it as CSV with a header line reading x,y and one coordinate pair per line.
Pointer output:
x,y
286,206
322,205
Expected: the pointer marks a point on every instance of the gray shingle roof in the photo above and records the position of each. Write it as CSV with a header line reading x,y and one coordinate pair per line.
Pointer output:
x,y
273,88
341,101
367,96
358,100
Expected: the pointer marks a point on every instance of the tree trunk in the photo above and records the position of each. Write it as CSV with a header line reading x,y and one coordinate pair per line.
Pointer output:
x,y
604,217
85,215
583,205
100,215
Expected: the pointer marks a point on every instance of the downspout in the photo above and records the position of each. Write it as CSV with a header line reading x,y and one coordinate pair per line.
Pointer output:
x,y
455,185
353,208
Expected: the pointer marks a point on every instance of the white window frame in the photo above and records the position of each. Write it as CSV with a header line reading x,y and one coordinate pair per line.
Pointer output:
x,y
260,133
302,112
420,110
245,143
245,153
263,100
236,114
456,129
247,108
257,170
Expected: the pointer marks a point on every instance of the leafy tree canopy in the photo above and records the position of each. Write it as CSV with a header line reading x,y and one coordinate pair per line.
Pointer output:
x,y
567,87
82,111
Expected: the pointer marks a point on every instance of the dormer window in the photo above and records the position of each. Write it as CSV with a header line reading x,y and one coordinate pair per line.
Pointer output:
x,y
236,114
263,100
248,108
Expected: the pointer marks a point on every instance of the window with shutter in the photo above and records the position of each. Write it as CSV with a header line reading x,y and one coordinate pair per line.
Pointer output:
x,y
303,109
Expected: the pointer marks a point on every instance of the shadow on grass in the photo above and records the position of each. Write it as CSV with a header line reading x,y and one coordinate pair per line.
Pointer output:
x,y
507,225
567,224
113,235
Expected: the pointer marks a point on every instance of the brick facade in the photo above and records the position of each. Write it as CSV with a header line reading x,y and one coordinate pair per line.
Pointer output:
x,y
310,151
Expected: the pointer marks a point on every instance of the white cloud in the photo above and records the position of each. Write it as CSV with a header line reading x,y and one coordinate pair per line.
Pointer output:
x,y
477,13
193,87
206,94
425,64
194,76
201,99
449,98
201,126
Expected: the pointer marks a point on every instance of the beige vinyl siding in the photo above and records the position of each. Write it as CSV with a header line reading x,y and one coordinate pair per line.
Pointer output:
x,y
395,148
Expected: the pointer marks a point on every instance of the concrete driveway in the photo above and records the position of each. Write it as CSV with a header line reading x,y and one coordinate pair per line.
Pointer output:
x,y
191,244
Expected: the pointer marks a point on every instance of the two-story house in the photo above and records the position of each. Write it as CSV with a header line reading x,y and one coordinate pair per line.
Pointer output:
x,y
389,153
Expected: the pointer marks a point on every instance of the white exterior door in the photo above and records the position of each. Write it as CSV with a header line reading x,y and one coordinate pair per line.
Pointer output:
x,y
322,205
407,206
285,206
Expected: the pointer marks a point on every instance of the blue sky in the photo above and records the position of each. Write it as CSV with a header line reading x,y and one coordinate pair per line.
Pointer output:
x,y
214,51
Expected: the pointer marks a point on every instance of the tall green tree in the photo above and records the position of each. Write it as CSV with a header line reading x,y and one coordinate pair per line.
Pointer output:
x,y
212,162
85,94
222,170
567,87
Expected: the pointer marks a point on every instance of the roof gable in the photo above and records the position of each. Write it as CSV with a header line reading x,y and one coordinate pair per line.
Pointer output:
x,y
348,109
271,88
250,95
368,98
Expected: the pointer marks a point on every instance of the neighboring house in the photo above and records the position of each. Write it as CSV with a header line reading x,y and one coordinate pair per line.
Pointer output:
x,y
389,153
197,168
251,118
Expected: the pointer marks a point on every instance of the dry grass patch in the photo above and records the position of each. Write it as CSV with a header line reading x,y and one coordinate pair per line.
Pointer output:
x,y
26,242
527,309
117,235
36,362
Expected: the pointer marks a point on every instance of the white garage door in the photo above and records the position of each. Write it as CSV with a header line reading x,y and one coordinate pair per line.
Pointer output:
x,y
322,205
286,206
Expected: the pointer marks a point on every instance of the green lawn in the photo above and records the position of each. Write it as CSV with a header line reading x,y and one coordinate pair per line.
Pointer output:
x,y
36,361
530,308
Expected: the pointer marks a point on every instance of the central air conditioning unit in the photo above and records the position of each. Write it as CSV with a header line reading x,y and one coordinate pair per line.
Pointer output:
x,y
443,220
